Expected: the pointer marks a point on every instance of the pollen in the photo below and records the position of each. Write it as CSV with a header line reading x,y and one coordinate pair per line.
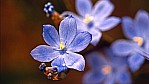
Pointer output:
x,y
139,40
61,46
106,69
88,18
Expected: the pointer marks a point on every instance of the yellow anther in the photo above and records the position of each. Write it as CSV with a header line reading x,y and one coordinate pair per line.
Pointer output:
x,y
61,46
88,18
106,69
139,40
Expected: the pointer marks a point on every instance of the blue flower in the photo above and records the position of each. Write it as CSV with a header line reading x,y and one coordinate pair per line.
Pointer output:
x,y
109,70
137,31
94,19
62,46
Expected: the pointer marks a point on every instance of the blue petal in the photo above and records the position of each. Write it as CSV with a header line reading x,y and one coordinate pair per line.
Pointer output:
x,y
44,53
109,23
68,30
50,35
147,46
92,77
83,7
59,63
135,61
96,60
80,42
123,47
110,79
129,27
96,35
142,23
124,77
74,61
79,20
116,61
102,9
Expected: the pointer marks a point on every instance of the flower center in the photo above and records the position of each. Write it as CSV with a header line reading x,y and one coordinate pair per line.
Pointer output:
x,y
106,69
61,46
88,18
139,40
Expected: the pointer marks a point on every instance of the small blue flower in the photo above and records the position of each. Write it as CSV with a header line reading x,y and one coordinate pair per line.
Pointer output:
x,y
93,19
109,70
138,46
62,46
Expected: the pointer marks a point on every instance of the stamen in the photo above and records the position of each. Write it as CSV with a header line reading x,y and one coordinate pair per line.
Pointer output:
x,y
106,69
61,46
88,18
139,40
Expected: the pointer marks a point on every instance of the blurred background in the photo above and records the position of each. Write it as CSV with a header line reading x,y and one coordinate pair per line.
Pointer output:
x,y
21,31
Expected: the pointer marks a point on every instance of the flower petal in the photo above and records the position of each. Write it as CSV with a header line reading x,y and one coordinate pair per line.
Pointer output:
x,y
92,77
124,77
129,27
50,35
147,46
83,7
80,42
142,23
59,63
135,61
68,30
123,47
44,53
102,9
96,61
96,35
110,79
109,23
74,61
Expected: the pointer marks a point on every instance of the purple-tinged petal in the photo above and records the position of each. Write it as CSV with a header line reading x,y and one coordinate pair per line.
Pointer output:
x,y
115,60
83,7
44,53
129,27
59,63
124,77
74,61
142,23
123,47
110,79
147,46
109,23
135,61
50,35
102,9
92,77
68,30
96,35
96,61
79,20
80,42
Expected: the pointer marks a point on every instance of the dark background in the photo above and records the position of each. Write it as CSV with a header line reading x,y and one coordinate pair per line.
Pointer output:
x,y
21,30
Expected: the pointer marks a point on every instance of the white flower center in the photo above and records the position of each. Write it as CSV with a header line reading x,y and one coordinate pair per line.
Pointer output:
x,y
88,19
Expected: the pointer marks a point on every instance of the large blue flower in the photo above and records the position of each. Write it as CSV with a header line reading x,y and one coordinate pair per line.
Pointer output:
x,y
109,70
94,19
62,46
138,46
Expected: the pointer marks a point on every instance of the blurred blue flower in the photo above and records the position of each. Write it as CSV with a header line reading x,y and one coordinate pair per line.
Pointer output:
x,y
109,70
62,46
94,19
138,46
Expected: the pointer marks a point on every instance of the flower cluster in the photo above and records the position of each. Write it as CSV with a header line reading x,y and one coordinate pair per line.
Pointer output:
x,y
76,32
